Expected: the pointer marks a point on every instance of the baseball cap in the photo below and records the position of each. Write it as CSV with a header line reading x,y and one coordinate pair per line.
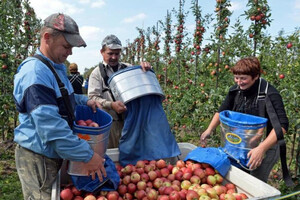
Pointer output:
x,y
67,26
112,42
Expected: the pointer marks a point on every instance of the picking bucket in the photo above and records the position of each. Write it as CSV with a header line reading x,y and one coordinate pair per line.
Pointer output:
x,y
240,133
97,137
131,83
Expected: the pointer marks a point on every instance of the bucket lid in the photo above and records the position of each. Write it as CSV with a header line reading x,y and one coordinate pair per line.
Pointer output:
x,y
242,120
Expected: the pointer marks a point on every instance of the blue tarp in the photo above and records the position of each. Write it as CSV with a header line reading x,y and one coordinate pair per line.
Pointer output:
x,y
213,156
109,183
146,134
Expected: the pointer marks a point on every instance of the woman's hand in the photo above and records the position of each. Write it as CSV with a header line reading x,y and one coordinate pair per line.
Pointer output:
x,y
204,136
256,156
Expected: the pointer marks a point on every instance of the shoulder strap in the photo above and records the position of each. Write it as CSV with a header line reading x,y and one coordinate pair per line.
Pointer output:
x,y
261,96
263,103
104,74
280,139
63,90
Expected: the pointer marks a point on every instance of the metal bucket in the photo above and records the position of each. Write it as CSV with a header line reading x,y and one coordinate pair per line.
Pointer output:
x,y
97,137
131,83
240,133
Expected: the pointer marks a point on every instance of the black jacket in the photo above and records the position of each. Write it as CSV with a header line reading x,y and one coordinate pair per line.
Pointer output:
x,y
244,101
77,81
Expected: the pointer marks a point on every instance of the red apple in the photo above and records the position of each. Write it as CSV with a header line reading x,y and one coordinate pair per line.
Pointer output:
x,y
187,176
152,194
195,179
199,172
127,196
281,76
93,124
4,66
229,197
164,172
161,164
140,170
149,184
174,195
161,190
211,180
149,168
289,45
209,171
141,185
75,191
212,193
126,180
180,163
219,189
192,195
140,164
170,167
185,184
230,186
171,177
178,175
66,194
158,182
88,121
122,189
219,178
145,177
92,197
176,187
175,170
140,194
112,195
163,197
81,123
244,196
182,194
128,169
131,188
152,175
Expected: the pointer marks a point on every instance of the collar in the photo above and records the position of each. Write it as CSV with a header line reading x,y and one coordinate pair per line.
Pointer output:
x,y
55,65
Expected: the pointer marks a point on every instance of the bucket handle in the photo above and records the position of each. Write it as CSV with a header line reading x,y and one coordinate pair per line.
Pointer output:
x,y
238,161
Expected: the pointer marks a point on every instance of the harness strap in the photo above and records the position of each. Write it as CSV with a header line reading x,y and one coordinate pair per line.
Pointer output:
x,y
63,91
280,139
105,78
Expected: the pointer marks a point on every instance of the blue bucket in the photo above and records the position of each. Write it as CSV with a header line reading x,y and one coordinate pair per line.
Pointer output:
x,y
240,133
97,137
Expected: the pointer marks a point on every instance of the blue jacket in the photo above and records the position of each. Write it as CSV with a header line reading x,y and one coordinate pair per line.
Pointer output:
x,y
38,100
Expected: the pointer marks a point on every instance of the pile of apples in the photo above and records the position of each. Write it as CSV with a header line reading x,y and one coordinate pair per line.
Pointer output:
x,y
151,180
87,122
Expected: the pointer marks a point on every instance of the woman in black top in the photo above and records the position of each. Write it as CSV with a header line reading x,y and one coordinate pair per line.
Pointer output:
x,y
242,97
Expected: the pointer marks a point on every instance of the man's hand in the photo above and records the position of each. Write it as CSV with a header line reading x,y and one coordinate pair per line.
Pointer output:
x,y
145,66
118,106
93,104
96,165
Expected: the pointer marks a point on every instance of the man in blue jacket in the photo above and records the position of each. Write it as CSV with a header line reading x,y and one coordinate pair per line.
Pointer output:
x,y
43,136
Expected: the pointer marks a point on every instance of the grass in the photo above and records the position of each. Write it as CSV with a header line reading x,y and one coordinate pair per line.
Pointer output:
x,y
10,186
